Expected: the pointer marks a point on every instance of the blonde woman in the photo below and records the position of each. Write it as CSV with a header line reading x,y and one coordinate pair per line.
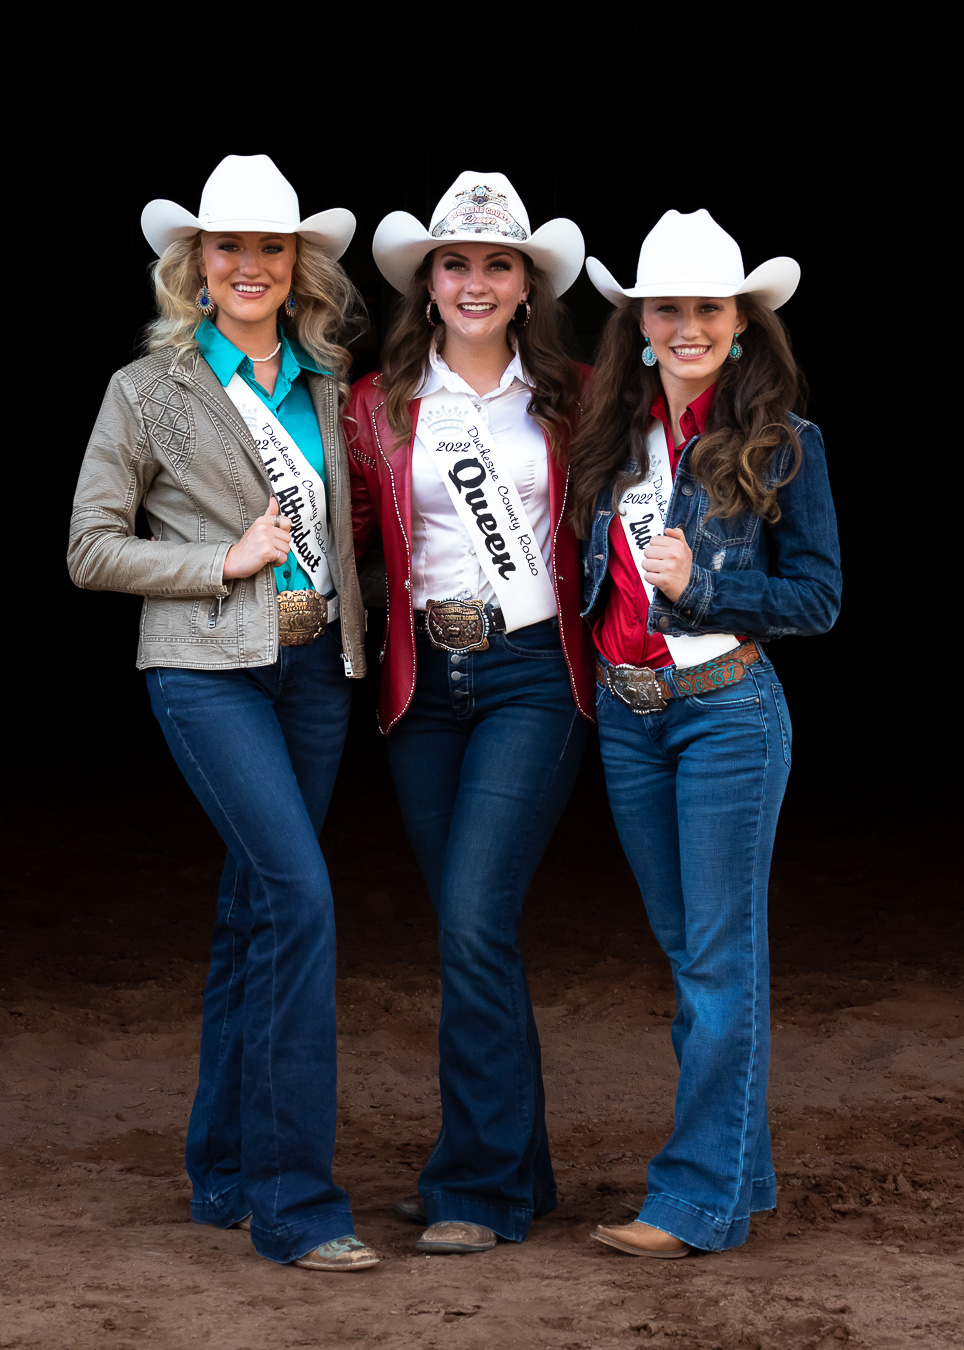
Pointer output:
x,y
227,434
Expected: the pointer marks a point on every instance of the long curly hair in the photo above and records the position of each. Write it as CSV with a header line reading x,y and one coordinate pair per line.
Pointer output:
x,y
749,418
329,310
542,344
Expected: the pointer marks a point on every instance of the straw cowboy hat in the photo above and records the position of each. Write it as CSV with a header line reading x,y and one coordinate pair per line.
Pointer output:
x,y
477,207
692,255
247,192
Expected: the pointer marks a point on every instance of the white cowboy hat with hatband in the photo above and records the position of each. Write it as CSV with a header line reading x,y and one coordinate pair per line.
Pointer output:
x,y
478,207
247,192
692,255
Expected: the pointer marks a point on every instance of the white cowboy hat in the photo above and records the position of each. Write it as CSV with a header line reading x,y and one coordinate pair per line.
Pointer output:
x,y
247,192
692,255
478,206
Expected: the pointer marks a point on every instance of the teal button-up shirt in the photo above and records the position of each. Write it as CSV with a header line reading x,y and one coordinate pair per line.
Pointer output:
x,y
291,402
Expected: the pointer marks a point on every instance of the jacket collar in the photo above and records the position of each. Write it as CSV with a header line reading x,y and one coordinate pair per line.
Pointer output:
x,y
190,367
225,358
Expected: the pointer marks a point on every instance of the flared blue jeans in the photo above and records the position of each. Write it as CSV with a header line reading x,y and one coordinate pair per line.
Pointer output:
x,y
484,761
260,749
695,792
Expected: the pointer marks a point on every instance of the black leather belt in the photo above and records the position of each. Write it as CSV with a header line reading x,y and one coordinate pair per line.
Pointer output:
x,y
459,625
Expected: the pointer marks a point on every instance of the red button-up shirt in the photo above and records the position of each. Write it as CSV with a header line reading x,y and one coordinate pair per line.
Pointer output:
x,y
620,634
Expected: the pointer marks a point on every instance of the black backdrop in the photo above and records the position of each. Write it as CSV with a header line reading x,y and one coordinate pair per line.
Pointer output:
x,y
781,180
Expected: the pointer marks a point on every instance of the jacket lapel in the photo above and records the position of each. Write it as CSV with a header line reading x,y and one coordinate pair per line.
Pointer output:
x,y
195,372
399,465
558,486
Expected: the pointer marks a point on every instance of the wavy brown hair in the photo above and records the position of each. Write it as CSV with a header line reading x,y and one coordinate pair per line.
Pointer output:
x,y
749,418
542,344
329,311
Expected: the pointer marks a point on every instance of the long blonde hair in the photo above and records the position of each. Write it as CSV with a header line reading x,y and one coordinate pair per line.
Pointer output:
x,y
329,312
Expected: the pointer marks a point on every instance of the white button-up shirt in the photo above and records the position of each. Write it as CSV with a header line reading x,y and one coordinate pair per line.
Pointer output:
x,y
444,561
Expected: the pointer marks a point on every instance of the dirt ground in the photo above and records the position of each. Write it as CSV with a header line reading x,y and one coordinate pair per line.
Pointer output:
x,y
103,970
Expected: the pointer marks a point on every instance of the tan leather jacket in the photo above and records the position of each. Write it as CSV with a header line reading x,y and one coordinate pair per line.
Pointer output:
x,y
169,439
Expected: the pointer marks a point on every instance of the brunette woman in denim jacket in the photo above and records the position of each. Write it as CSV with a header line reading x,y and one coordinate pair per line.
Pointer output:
x,y
710,529
227,434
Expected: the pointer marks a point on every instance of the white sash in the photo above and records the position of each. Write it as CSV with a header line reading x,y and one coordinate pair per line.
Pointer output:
x,y
489,506
642,511
298,488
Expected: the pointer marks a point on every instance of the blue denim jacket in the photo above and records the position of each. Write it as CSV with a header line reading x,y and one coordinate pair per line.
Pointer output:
x,y
748,577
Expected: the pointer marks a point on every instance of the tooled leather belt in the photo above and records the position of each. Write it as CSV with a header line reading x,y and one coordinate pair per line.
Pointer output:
x,y
643,691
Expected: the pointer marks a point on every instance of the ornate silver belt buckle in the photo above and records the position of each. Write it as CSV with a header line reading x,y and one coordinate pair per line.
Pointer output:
x,y
457,625
636,687
302,617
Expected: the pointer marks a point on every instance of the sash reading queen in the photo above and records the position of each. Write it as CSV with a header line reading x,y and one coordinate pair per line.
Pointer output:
x,y
488,504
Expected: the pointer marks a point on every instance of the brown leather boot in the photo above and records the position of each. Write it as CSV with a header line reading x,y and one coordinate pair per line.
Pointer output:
x,y
640,1239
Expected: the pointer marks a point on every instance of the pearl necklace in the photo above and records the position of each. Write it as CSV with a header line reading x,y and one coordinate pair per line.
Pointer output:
x,y
260,360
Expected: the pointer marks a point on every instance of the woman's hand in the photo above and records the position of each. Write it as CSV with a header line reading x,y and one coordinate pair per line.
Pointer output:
x,y
264,544
669,561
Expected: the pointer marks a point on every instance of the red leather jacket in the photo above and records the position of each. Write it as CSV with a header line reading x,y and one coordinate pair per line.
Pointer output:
x,y
381,501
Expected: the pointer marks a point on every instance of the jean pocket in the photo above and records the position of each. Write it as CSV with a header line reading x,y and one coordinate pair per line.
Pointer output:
x,y
537,641
783,717
742,694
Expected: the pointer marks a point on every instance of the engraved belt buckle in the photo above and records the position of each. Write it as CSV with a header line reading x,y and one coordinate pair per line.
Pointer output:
x,y
457,625
636,687
302,617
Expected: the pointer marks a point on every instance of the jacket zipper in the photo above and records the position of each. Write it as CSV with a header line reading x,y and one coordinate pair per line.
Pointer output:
x,y
333,466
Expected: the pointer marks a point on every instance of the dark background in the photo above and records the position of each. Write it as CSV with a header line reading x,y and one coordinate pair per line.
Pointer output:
x,y
800,140
612,150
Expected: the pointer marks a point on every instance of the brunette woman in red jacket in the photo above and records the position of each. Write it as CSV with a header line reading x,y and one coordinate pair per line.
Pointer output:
x,y
457,453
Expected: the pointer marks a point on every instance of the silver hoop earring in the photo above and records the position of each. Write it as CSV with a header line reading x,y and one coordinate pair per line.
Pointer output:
x,y
428,314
